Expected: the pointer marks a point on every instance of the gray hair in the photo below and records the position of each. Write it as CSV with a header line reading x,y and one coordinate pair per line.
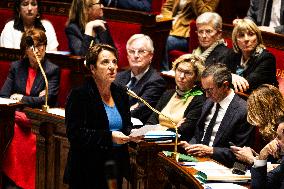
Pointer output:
x,y
210,17
149,45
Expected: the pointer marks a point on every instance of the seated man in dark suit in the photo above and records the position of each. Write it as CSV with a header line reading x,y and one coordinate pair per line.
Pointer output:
x,y
260,179
223,118
141,78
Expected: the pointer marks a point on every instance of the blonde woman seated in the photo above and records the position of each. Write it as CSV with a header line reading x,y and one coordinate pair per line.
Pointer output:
x,y
185,102
265,106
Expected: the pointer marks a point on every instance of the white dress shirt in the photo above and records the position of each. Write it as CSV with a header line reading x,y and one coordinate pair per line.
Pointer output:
x,y
224,104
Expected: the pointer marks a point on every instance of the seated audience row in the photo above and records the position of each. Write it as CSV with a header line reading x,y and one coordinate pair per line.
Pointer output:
x,y
250,63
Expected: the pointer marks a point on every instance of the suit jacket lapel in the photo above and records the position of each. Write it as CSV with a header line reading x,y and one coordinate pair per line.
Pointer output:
x,y
207,107
137,88
227,119
38,82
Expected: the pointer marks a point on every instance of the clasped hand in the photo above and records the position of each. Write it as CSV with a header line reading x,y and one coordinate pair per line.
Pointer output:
x,y
197,149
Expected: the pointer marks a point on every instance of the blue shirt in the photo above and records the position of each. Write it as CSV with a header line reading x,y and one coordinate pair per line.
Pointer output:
x,y
114,118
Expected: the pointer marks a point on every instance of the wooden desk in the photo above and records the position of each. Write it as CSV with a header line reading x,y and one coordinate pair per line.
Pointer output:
x,y
146,170
52,148
183,176
7,119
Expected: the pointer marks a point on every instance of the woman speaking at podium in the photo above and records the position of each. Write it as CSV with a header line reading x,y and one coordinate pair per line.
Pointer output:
x,y
97,118
25,83
186,100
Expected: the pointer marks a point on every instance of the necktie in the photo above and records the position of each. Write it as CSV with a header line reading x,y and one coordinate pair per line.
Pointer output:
x,y
208,133
132,83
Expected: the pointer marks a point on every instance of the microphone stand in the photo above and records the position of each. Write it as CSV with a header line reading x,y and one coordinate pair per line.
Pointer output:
x,y
45,107
134,95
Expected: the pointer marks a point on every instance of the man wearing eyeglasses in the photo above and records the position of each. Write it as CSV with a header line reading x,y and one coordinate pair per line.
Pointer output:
x,y
212,47
223,118
141,78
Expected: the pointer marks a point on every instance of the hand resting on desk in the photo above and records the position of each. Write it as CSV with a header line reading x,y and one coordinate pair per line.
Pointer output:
x,y
197,149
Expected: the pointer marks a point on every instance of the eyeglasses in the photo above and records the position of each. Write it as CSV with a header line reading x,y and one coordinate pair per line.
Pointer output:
x,y
186,73
27,3
138,51
207,32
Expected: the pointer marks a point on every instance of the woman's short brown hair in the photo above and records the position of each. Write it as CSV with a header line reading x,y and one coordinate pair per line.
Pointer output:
x,y
38,37
94,51
194,60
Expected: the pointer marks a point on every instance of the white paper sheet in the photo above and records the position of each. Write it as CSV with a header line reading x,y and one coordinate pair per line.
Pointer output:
x,y
7,101
57,111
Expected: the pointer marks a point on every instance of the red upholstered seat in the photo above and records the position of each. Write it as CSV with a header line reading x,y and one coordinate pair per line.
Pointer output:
x,y
156,6
120,38
279,55
4,67
59,22
5,15
193,43
65,87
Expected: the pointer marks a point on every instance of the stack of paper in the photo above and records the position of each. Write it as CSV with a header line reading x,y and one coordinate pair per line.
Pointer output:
x,y
7,101
218,172
159,135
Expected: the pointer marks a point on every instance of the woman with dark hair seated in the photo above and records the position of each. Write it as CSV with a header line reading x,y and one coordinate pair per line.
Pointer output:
x,y
86,24
184,103
27,16
25,83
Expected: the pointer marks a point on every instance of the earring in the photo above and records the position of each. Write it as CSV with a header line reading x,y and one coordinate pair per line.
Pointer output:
x,y
38,16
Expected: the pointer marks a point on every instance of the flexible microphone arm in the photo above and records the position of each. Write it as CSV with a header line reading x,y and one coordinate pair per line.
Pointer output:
x,y
134,95
30,42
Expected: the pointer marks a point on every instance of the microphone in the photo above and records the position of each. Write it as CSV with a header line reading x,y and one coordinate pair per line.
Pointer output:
x,y
134,95
30,43
111,174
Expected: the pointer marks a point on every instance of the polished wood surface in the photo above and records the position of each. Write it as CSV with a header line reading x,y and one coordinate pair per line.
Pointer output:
x,y
52,148
7,119
179,176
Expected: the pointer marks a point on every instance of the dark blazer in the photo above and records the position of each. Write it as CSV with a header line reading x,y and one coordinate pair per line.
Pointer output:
x,y
17,79
261,68
256,12
191,113
218,55
260,179
139,5
233,128
79,42
150,87
90,137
